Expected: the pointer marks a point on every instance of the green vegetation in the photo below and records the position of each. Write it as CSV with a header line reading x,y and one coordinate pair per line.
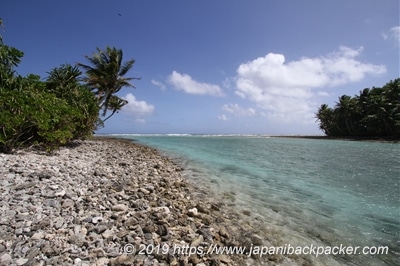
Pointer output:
x,y
50,113
62,108
373,113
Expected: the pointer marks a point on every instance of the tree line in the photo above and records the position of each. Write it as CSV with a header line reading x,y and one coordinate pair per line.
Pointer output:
x,y
67,105
375,112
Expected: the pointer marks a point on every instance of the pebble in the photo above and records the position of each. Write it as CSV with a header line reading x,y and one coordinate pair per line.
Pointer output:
x,y
193,212
119,208
37,236
5,259
21,261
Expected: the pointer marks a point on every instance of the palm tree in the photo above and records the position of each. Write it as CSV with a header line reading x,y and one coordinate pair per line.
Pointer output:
x,y
114,105
347,114
325,115
392,104
363,107
374,113
105,76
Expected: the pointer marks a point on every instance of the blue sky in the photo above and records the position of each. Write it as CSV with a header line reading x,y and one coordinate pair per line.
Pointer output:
x,y
217,67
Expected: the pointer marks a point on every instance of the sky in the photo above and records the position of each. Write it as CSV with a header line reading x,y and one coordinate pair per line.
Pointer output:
x,y
217,67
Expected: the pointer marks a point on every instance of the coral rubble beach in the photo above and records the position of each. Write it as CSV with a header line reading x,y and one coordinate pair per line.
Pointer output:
x,y
83,203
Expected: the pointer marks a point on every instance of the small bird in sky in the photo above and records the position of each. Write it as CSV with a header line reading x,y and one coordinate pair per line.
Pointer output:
x,y
119,14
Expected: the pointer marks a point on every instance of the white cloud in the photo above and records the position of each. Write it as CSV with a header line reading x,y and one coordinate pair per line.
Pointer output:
x,y
140,120
394,34
159,84
285,89
223,117
227,83
238,111
185,83
137,108
323,93
395,31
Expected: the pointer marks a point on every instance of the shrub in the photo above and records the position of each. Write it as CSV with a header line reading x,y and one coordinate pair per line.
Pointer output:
x,y
29,118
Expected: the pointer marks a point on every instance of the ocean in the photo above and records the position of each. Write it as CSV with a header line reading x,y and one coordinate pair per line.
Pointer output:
x,y
307,192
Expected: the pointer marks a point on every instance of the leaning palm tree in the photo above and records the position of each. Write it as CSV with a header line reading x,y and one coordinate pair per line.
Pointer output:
x,y
114,105
105,76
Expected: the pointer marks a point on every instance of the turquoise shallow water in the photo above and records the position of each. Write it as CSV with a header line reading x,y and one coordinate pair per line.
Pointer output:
x,y
326,192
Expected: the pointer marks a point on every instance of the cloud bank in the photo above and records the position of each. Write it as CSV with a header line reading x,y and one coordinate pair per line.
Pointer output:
x,y
285,89
185,83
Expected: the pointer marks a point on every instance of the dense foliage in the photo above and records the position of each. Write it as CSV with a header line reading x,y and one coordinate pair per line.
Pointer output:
x,y
49,113
373,113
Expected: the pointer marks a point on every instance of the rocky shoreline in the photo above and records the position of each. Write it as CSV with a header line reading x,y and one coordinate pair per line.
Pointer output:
x,y
112,202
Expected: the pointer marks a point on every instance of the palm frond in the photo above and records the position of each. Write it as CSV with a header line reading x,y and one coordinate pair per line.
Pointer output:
x,y
105,76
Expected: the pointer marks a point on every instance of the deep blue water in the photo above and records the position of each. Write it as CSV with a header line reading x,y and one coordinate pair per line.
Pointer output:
x,y
311,191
